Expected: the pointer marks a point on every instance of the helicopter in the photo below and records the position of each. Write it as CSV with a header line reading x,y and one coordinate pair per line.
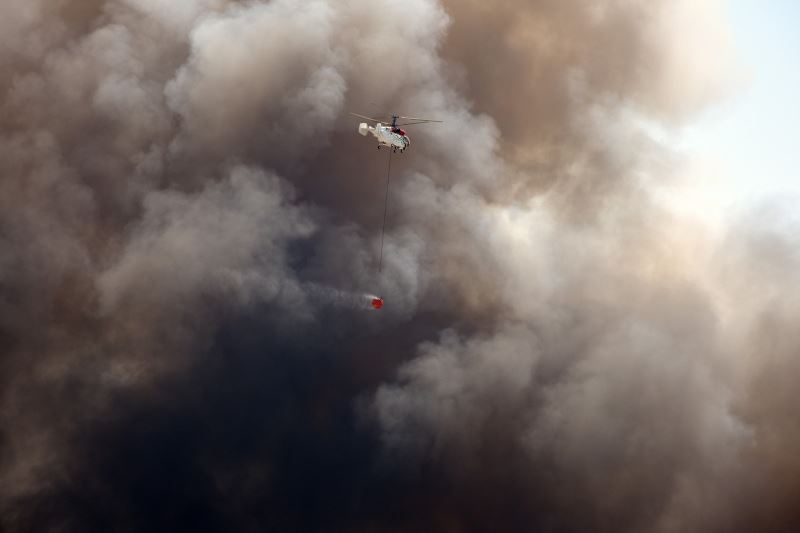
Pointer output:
x,y
390,135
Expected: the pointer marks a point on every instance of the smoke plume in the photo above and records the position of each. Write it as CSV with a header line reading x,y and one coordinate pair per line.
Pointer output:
x,y
189,222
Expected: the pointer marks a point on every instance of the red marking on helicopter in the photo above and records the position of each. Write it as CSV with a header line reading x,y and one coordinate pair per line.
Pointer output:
x,y
377,303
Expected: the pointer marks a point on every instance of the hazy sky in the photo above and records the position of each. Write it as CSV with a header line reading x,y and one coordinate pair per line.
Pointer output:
x,y
751,139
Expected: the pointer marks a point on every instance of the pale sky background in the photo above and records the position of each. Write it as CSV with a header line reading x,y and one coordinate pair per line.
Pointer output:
x,y
747,148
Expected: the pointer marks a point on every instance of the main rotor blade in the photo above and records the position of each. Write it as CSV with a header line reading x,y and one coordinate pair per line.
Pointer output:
x,y
366,118
421,119
419,122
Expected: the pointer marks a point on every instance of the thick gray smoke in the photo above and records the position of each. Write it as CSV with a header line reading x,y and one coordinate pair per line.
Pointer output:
x,y
187,216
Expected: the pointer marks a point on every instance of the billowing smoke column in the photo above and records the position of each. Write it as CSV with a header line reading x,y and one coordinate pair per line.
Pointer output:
x,y
188,226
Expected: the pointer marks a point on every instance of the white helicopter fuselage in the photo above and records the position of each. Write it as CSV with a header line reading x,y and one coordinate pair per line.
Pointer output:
x,y
385,136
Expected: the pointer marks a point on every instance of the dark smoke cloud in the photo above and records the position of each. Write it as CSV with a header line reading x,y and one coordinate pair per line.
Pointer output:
x,y
189,224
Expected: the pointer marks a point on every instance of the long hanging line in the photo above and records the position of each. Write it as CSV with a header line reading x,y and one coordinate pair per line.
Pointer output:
x,y
385,209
